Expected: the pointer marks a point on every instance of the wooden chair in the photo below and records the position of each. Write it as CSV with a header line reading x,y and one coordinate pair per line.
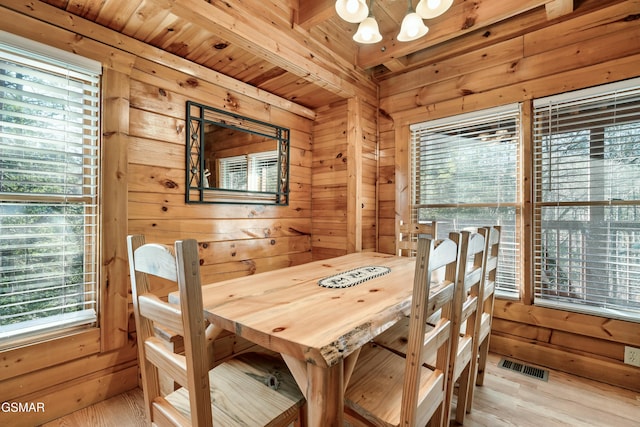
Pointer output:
x,y
395,338
465,309
251,389
485,310
470,276
408,234
388,389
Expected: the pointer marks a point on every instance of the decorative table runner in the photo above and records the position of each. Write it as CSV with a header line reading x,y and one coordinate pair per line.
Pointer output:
x,y
353,277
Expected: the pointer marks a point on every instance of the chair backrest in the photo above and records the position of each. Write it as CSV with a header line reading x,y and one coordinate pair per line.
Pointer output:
x,y
178,264
487,290
427,344
470,277
408,234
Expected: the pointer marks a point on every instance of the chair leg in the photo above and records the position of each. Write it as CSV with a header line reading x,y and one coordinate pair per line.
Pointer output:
x,y
446,413
437,419
302,417
482,361
477,375
473,374
463,387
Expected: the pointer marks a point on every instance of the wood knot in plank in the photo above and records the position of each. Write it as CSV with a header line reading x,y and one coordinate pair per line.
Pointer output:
x,y
169,183
468,23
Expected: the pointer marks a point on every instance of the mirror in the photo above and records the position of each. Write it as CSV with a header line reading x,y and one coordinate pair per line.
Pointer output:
x,y
235,159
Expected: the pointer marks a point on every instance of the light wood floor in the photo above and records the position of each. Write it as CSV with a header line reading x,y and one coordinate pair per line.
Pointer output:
x,y
507,399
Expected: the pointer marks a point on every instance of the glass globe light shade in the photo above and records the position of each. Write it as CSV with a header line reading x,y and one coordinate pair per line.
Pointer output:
x,y
428,9
353,11
368,31
412,28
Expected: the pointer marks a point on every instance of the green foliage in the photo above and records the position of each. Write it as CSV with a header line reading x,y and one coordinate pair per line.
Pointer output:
x,y
42,264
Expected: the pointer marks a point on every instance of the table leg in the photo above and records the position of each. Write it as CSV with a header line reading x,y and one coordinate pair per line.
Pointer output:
x,y
325,397
349,365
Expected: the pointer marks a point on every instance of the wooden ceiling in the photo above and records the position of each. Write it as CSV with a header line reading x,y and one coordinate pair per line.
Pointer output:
x,y
300,50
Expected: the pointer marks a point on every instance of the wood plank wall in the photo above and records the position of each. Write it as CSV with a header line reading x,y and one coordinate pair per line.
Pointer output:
x,y
344,179
235,240
599,43
144,192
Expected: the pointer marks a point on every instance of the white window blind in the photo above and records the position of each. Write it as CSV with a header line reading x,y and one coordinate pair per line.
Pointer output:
x,y
49,110
253,172
263,174
233,172
587,200
465,174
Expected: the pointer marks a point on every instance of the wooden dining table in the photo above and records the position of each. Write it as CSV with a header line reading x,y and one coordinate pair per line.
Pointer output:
x,y
317,316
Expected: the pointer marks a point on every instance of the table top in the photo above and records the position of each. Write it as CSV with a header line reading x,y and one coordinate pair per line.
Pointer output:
x,y
287,311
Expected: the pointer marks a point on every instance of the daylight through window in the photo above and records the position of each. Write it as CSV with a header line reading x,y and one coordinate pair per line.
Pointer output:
x,y
465,174
587,164
49,110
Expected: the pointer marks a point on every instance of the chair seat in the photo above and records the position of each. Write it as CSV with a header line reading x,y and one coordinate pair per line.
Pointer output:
x,y
243,402
376,387
396,337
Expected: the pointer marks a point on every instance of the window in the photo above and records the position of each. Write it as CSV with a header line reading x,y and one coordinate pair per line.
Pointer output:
x,y
49,110
466,174
587,200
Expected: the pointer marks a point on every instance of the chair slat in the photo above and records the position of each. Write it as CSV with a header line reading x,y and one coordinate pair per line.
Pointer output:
x,y
166,315
437,336
172,364
440,297
166,414
469,308
473,277
492,263
489,289
157,260
485,325
408,234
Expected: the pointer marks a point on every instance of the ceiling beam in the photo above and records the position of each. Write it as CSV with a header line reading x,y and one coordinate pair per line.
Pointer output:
x,y
290,49
557,8
462,18
313,12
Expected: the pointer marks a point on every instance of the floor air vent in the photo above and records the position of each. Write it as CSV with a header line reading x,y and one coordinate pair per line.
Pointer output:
x,y
530,371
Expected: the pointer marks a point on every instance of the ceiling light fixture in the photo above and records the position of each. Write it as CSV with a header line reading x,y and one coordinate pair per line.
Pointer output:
x,y
353,11
428,9
368,31
412,27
